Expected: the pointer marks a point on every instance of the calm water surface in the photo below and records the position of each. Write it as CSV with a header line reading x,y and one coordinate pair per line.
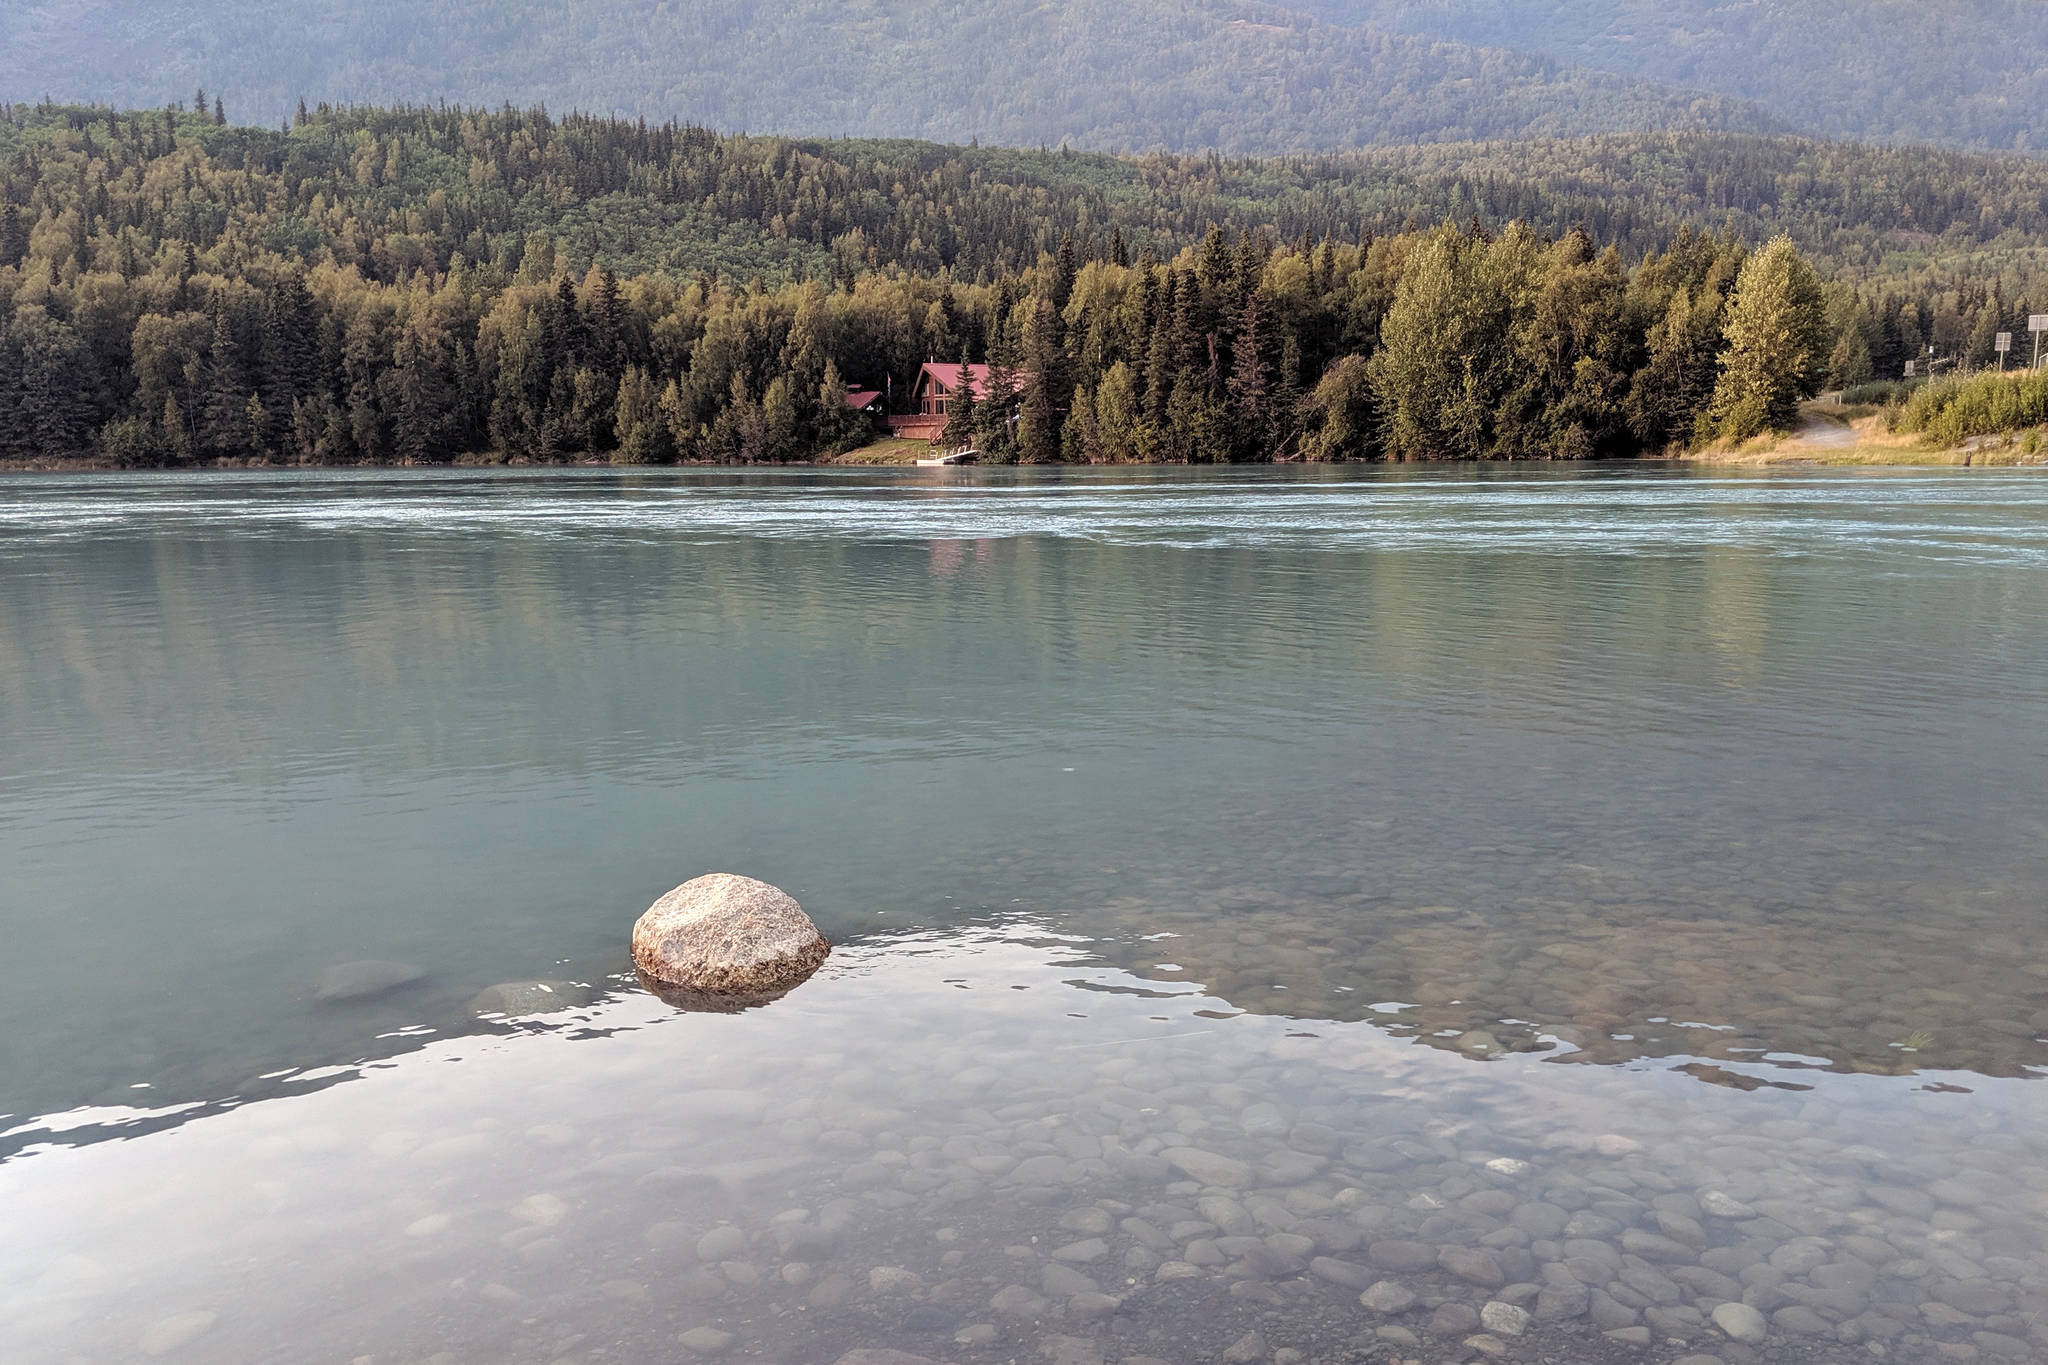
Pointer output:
x,y
1587,899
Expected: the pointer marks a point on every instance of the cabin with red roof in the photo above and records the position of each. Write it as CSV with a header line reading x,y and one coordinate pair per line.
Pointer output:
x,y
870,404
931,399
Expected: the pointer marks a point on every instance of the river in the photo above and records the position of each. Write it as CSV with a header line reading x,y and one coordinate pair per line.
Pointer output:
x,y
1344,912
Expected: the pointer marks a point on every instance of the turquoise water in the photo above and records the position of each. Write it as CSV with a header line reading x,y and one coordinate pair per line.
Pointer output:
x,y
1655,833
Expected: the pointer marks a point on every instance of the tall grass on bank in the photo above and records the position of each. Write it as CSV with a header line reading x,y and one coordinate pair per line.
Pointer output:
x,y
1878,393
1950,411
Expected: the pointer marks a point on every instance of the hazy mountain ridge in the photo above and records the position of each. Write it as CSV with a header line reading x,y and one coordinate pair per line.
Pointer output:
x,y
1132,76
1970,73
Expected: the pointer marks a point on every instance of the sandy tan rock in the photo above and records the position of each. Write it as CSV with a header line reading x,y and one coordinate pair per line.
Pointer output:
x,y
722,935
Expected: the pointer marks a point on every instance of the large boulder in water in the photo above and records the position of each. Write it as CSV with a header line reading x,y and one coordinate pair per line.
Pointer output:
x,y
726,938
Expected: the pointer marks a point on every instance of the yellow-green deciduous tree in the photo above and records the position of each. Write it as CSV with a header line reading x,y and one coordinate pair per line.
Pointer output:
x,y
1777,343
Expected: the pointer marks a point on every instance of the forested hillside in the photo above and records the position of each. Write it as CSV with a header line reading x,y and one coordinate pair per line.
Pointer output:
x,y
1300,75
1964,73
373,285
1116,74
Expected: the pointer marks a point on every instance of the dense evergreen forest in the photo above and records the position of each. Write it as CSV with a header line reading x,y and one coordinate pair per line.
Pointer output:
x,y
370,285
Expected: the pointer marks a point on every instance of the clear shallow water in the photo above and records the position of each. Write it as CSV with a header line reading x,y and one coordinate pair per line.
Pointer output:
x,y
1657,833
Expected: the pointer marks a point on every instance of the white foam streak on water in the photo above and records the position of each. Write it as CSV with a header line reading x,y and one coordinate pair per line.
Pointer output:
x,y
1968,518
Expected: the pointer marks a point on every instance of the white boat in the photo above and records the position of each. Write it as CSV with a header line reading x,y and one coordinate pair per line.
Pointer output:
x,y
957,457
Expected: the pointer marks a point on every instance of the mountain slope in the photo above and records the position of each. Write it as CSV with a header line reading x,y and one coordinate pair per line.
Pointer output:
x,y
1124,74
1962,73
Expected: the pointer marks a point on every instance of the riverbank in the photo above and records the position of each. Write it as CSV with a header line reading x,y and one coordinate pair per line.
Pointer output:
x,y
1823,438
1829,435
890,450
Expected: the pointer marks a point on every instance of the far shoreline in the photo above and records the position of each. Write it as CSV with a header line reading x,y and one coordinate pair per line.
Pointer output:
x,y
1776,456
1825,439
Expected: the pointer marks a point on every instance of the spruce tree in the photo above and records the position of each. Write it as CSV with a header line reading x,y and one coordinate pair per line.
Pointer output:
x,y
1162,357
255,423
1065,269
1287,394
290,360
13,235
13,432
224,393
992,428
961,416
1215,261
1849,362
607,322
563,328
1250,384
422,384
57,385
177,434
1047,391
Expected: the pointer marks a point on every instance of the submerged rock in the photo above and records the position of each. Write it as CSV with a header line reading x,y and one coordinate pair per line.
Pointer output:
x,y
1388,1297
1208,1167
168,1334
1504,1319
1742,1323
1477,1043
360,980
513,999
707,1341
723,937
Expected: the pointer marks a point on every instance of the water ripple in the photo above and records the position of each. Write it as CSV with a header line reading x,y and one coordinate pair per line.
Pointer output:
x,y
1965,517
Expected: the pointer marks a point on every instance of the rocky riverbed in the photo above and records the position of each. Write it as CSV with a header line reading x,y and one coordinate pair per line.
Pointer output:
x,y
944,1147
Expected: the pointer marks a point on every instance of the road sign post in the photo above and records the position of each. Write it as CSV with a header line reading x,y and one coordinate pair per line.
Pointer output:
x,y
2001,344
2037,323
